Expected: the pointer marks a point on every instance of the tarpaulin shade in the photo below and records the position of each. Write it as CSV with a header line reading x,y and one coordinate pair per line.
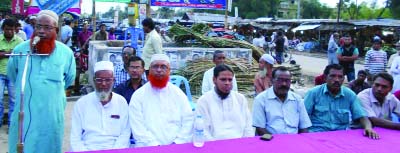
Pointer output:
x,y
305,27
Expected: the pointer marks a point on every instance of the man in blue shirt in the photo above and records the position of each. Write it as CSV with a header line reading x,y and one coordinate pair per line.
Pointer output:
x,y
278,110
135,71
331,105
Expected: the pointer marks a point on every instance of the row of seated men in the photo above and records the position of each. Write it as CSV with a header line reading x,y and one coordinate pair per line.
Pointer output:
x,y
159,113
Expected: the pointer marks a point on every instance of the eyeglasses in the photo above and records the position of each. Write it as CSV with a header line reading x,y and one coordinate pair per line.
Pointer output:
x,y
128,53
162,67
134,67
44,27
101,80
280,80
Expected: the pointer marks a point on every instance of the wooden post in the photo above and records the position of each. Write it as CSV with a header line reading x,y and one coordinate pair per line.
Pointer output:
x,y
94,18
226,14
148,9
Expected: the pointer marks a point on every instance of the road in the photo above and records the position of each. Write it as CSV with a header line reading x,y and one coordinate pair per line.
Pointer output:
x,y
311,66
315,66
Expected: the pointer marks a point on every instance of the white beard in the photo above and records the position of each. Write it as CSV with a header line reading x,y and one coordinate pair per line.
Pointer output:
x,y
104,95
263,72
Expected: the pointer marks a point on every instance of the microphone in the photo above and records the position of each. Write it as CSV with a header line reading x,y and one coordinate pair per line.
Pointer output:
x,y
36,39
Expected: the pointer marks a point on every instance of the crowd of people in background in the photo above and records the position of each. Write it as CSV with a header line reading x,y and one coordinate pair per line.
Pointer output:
x,y
134,104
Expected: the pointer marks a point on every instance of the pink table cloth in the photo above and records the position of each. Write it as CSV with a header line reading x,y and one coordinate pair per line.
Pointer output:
x,y
349,141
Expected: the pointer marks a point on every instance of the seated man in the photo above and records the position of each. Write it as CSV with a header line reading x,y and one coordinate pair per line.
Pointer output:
x,y
262,80
379,103
279,110
159,112
100,119
225,112
320,79
331,105
208,83
121,70
359,84
135,70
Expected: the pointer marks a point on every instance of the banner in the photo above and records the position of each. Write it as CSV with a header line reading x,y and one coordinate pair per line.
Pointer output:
x,y
34,8
57,6
17,7
117,1
199,4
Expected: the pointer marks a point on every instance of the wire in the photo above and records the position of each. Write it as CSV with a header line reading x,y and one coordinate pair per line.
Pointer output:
x,y
29,102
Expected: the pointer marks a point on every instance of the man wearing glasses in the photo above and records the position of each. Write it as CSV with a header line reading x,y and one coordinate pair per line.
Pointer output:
x,y
278,110
47,78
159,112
121,70
100,118
135,71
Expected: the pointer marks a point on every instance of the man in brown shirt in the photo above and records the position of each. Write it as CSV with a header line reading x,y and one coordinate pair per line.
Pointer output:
x,y
102,33
262,80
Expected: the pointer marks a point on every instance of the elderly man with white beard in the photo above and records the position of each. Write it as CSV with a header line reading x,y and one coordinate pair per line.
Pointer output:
x,y
262,80
159,112
100,118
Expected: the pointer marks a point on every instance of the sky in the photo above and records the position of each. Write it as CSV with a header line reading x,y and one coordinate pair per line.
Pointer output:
x,y
105,6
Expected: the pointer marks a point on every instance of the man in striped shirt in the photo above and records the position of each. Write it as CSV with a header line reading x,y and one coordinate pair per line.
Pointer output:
x,y
375,59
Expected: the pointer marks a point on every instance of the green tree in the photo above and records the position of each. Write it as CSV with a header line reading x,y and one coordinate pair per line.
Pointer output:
x,y
5,5
395,8
365,12
166,13
251,9
122,14
313,9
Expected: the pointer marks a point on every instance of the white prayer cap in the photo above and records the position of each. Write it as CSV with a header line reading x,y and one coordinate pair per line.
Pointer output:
x,y
53,16
32,17
103,65
159,57
268,58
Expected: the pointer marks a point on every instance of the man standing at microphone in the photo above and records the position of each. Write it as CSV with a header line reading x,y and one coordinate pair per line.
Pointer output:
x,y
44,98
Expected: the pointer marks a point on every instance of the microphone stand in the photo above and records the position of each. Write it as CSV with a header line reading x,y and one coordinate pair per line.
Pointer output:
x,y
20,145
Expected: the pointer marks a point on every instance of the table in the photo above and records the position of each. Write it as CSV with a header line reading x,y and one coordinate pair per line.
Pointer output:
x,y
349,141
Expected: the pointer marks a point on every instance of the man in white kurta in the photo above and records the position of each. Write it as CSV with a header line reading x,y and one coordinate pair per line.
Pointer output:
x,y
225,117
153,42
100,123
159,112
395,69
207,83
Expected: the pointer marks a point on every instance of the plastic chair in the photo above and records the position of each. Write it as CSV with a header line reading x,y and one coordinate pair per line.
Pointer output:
x,y
177,80
395,118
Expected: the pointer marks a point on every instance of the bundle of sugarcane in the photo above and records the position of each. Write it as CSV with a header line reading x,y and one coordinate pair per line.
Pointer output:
x,y
295,70
181,33
194,71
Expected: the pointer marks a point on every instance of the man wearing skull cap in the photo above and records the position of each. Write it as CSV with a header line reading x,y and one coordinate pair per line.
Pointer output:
x,y
159,112
44,93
